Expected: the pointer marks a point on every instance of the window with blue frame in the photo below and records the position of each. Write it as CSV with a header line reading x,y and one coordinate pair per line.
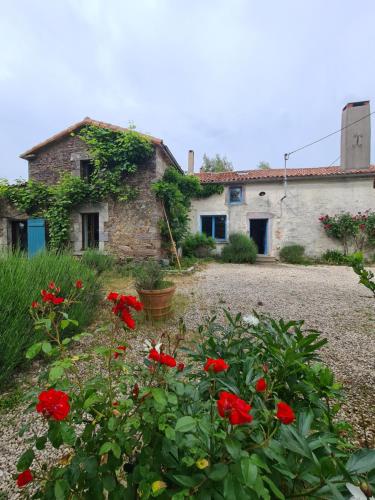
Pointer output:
x,y
235,194
214,226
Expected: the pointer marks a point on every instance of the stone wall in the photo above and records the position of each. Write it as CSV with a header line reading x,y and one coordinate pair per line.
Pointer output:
x,y
294,219
126,229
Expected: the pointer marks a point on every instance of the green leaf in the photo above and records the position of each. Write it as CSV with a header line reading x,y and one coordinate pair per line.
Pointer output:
x,y
185,424
55,373
184,480
112,423
91,401
64,323
159,396
33,350
361,462
25,460
109,482
249,471
46,347
40,443
233,447
116,450
275,490
66,341
105,448
61,489
218,472
67,433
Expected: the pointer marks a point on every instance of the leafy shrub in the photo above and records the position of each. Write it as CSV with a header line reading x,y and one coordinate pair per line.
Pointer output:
x,y
251,415
334,257
198,245
20,277
293,254
366,277
240,249
98,261
149,275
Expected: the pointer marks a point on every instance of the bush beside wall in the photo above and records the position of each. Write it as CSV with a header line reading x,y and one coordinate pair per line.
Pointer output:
x,y
198,245
240,249
293,254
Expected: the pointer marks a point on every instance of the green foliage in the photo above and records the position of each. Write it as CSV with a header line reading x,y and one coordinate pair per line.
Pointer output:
x,y
338,258
198,245
240,249
165,436
366,277
98,261
176,191
116,155
149,275
216,164
356,230
293,254
21,280
264,165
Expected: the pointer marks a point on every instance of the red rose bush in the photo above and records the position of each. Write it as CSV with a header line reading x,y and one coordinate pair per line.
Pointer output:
x,y
244,413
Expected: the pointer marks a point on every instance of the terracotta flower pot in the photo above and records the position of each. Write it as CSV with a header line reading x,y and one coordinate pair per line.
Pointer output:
x,y
157,303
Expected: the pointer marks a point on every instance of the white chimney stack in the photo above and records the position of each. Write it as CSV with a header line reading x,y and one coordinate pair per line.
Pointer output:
x,y
356,138
191,162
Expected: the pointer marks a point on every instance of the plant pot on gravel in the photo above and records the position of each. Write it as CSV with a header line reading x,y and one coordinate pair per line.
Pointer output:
x,y
154,291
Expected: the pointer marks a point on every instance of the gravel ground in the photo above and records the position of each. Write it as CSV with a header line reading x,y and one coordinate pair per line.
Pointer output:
x,y
328,298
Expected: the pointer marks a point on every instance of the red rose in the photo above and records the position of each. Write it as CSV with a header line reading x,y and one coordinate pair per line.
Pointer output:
x,y
34,304
216,365
51,285
112,296
232,407
261,385
79,284
115,403
167,360
24,478
285,413
154,355
132,301
57,300
128,319
119,348
180,367
53,404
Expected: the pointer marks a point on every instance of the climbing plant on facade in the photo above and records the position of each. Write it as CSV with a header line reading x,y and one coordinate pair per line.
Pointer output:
x,y
176,191
115,154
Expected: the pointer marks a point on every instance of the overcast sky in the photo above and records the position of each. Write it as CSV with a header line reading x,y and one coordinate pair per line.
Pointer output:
x,y
242,78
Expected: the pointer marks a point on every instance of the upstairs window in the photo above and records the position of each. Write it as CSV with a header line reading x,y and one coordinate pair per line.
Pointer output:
x,y
90,231
87,169
235,194
214,226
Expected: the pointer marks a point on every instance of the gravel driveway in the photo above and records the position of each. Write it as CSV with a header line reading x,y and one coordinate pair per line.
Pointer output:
x,y
328,298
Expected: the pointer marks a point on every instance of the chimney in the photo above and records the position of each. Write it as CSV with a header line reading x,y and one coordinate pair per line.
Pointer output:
x,y
356,139
190,162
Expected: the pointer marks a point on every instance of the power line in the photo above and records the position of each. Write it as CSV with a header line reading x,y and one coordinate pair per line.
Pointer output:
x,y
329,135
334,161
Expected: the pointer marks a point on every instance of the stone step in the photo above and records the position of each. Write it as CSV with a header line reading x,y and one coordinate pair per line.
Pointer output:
x,y
265,259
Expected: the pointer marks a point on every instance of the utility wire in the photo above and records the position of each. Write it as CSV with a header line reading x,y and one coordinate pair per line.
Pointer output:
x,y
334,161
329,135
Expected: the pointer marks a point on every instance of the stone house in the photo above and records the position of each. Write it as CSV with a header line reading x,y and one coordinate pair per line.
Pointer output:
x,y
277,207
124,229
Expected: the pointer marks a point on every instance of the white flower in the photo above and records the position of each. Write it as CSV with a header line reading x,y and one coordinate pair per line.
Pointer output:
x,y
251,320
148,345
357,493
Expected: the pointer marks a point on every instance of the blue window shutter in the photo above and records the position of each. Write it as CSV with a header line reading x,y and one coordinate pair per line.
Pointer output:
x,y
36,236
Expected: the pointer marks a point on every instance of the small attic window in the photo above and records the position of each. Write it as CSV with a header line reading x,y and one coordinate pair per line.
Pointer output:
x,y
86,170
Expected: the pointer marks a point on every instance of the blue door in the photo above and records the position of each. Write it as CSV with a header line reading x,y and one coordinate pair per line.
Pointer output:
x,y
36,236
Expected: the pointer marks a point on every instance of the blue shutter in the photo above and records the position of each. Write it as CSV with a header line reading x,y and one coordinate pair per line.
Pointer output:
x,y
36,236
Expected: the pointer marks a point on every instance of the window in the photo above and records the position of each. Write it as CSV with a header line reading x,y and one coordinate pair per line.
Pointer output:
x,y
90,231
214,225
19,235
87,169
235,194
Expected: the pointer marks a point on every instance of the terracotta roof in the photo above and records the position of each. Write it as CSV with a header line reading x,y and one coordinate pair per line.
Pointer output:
x,y
90,121
278,174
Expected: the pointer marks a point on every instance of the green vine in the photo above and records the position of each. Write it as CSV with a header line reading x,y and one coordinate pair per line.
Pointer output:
x,y
176,191
115,155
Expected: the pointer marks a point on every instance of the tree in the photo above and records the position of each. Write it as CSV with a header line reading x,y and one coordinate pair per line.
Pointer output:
x,y
264,165
216,164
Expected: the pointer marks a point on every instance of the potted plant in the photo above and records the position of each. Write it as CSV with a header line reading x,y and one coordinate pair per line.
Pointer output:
x,y
154,291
